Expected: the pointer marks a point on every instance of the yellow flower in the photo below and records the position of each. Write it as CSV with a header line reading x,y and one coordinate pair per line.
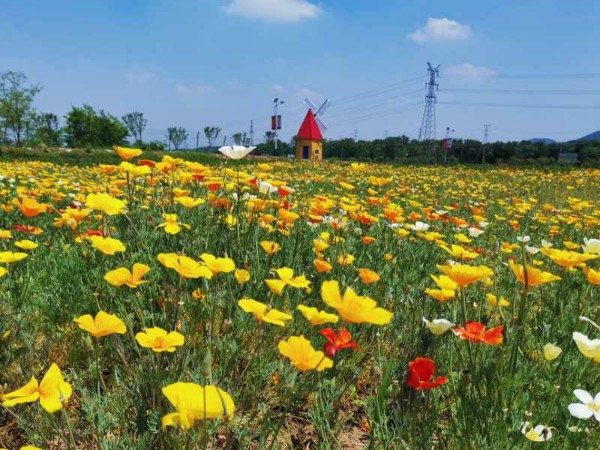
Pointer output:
x,y
270,247
5,234
108,245
551,352
218,265
242,276
302,355
354,308
316,317
26,244
345,260
105,203
590,348
286,277
464,275
185,266
368,276
133,170
444,282
122,275
459,252
10,257
565,258
52,392
189,202
535,277
493,301
260,313
127,153
171,225
159,340
102,325
2,271
194,402
441,294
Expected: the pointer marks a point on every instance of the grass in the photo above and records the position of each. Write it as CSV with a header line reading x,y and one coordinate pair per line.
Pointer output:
x,y
363,401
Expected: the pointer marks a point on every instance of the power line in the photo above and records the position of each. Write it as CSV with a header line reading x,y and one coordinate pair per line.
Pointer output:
x,y
522,105
526,91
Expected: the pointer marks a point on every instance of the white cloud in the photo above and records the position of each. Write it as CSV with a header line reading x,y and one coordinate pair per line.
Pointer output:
x,y
470,72
441,30
274,10
278,87
198,89
140,77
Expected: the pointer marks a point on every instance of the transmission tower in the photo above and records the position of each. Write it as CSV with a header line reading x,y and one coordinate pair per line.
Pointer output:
x,y
251,133
427,130
486,133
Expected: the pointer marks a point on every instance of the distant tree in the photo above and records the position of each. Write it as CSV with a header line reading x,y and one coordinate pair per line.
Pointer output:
x,y
46,129
135,123
240,139
176,136
269,136
87,128
16,103
211,133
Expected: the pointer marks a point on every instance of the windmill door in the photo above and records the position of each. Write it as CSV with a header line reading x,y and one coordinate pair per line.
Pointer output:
x,y
305,152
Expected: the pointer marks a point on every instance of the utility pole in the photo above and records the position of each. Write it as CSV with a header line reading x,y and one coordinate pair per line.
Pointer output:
x,y
427,130
276,119
486,135
447,143
197,140
251,133
355,134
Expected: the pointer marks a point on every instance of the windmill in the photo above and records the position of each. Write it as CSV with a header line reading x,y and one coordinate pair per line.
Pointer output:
x,y
318,112
309,140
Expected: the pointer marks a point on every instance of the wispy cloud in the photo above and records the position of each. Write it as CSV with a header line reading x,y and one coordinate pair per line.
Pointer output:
x,y
139,77
441,30
470,72
274,10
194,89
278,87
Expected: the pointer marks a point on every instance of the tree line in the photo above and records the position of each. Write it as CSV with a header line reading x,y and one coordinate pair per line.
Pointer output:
x,y
86,127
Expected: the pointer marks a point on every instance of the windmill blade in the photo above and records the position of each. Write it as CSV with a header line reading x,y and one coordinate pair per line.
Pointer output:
x,y
324,107
321,124
310,104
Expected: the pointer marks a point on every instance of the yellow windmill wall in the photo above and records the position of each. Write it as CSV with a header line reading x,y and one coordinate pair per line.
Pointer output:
x,y
315,149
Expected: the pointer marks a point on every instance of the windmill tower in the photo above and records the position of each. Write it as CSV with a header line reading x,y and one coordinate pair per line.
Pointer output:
x,y
309,140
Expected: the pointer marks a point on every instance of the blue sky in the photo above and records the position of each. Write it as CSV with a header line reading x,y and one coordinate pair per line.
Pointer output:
x,y
194,63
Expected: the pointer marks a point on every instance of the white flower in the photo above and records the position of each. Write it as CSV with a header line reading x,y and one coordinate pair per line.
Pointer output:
x,y
532,250
589,406
539,433
236,152
523,238
483,224
419,226
591,246
547,244
438,326
475,232
264,187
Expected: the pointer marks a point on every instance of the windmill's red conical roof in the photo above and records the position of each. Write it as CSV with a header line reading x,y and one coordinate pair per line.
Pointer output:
x,y
310,128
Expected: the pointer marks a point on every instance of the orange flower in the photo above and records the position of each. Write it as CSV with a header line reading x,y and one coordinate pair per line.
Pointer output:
x,y
30,207
322,266
270,247
368,276
127,153
476,332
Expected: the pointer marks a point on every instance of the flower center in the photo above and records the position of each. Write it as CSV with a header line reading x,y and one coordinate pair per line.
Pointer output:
x,y
594,406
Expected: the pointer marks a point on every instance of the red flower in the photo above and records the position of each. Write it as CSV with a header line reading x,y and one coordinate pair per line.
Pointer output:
x,y
26,229
420,374
284,191
337,341
476,332
198,177
254,182
91,232
146,162
213,187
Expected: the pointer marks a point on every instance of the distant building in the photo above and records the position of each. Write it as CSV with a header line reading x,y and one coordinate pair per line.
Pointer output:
x,y
309,140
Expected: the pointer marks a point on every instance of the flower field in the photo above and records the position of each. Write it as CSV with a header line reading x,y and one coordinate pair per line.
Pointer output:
x,y
284,305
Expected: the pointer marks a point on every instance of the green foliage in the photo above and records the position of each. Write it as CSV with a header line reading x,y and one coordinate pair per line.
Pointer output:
x,y
135,123
16,104
211,133
89,128
176,136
